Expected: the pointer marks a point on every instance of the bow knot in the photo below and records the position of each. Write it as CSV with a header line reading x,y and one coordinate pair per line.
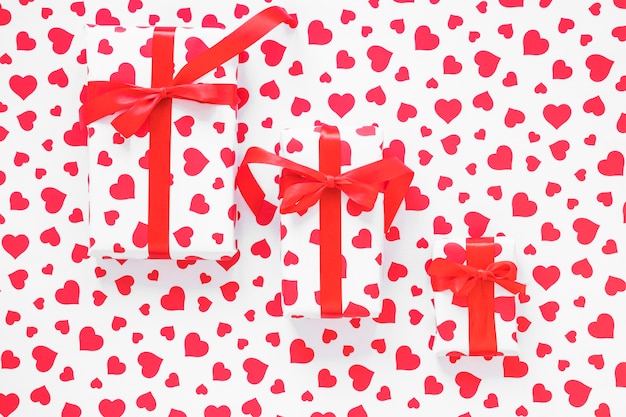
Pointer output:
x,y
461,279
163,92
330,181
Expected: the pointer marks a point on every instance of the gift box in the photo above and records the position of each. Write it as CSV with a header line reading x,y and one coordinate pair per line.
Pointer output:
x,y
332,223
475,286
161,111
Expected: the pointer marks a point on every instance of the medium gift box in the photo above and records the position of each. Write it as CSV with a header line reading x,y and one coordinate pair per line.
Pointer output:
x,y
475,286
161,112
332,222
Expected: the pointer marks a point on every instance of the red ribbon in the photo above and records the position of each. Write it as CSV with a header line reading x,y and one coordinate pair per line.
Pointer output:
x,y
138,104
302,187
476,282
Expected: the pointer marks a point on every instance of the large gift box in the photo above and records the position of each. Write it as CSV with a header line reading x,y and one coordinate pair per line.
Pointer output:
x,y
475,286
332,223
161,110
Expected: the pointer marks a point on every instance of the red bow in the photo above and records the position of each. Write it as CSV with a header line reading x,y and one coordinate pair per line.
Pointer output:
x,y
136,103
301,187
461,279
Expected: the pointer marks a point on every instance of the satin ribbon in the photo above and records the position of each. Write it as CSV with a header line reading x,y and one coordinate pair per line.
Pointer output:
x,y
302,187
137,105
476,282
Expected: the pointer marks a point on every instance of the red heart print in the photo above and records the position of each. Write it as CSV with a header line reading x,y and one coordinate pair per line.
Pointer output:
x,y
229,290
578,392
44,358
448,110
502,159
614,285
586,230
361,377
425,40
432,386
534,44
541,394
595,106
451,65
273,51
325,379
40,395
199,204
8,402
514,117
523,206
300,352
124,74
15,245
380,57
195,161
318,34
213,411
546,276
61,40
603,327
252,408
300,106
487,63
210,21
450,144
557,115
406,359
23,86
261,248
363,239
124,188
289,290
150,364
477,223
406,111
53,199
341,104
255,369
468,384
194,346
505,307
612,165
174,299
184,125
110,408
548,310
183,236
599,67
513,367
89,340
68,294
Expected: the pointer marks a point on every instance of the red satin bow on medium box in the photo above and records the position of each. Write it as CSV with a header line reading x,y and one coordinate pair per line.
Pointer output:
x,y
302,187
134,106
476,281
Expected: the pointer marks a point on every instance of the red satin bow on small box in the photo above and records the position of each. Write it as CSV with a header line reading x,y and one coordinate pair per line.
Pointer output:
x,y
476,281
137,104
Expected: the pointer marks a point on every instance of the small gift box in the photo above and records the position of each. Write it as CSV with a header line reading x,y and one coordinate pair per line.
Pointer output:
x,y
474,284
332,222
161,111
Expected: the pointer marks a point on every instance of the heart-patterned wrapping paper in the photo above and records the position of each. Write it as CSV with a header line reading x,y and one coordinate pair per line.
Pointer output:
x,y
511,114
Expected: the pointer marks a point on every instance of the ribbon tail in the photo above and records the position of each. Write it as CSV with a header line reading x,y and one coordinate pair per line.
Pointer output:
x,y
229,47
